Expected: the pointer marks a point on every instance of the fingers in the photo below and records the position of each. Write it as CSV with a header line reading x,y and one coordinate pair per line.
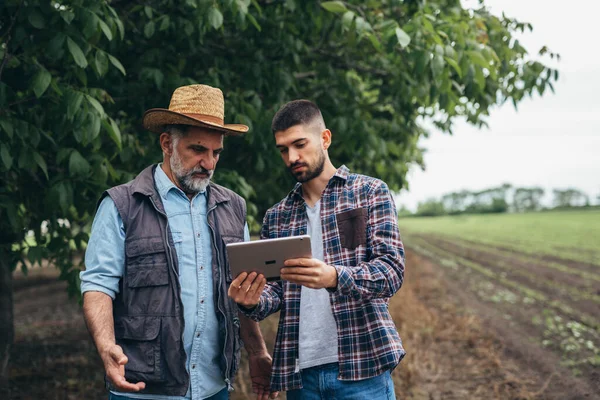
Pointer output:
x,y
247,283
116,376
262,393
237,282
300,262
121,383
257,287
259,390
247,288
274,395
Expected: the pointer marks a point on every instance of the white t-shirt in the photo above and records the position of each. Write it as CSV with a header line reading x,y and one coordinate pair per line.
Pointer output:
x,y
318,343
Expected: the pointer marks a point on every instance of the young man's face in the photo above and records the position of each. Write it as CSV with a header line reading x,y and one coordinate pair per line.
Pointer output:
x,y
302,151
194,158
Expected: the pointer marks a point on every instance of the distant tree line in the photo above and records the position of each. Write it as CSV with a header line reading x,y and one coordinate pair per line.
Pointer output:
x,y
500,199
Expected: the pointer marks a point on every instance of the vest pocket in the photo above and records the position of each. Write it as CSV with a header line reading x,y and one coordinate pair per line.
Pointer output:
x,y
139,338
146,262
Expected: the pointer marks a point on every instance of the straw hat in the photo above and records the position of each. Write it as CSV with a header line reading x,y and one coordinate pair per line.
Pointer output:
x,y
196,105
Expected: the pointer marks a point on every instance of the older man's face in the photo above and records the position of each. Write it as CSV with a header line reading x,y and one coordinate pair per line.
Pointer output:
x,y
194,158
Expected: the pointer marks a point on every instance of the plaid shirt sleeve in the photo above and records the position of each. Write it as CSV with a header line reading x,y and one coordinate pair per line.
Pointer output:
x,y
272,295
383,275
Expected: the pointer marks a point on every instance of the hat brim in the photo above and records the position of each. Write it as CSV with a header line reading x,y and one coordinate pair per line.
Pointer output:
x,y
156,119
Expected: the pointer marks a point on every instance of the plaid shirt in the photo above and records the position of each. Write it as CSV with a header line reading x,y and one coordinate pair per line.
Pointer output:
x,y
361,240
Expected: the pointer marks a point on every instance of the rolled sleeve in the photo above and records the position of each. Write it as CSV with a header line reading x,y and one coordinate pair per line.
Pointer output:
x,y
105,254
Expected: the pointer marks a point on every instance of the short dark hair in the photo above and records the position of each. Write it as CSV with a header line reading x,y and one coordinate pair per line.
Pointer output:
x,y
296,112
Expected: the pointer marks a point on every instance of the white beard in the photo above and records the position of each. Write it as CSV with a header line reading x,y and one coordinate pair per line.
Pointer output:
x,y
188,183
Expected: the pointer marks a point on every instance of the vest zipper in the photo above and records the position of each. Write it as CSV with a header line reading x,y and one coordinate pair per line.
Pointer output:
x,y
227,366
170,255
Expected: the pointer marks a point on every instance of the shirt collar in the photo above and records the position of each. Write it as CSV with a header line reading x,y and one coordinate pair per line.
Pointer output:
x,y
341,173
164,185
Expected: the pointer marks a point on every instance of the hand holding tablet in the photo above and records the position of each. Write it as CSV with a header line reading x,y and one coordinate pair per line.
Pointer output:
x,y
267,256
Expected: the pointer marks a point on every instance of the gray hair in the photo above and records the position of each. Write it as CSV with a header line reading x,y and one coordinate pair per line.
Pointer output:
x,y
176,132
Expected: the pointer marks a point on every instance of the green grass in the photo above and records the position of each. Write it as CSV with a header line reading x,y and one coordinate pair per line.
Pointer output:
x,y
571,235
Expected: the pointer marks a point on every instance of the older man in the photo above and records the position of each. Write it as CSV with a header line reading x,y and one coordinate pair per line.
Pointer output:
x,y
156,278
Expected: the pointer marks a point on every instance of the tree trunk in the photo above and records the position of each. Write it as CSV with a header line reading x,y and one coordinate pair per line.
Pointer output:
x,y
6,319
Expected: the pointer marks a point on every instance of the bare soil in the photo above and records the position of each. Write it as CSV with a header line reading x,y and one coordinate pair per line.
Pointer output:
x,y
458,346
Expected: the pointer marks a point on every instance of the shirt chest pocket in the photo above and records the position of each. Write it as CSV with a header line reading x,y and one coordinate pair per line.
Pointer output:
x,y
352,227
146,262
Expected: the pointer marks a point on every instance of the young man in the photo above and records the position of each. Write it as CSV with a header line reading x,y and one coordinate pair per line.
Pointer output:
x,y
156,277
336,338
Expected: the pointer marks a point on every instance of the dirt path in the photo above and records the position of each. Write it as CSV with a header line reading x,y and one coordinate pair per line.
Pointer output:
x,y
452,352
519,339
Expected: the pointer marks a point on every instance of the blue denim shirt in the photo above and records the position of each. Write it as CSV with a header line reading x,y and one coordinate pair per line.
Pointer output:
x,y
105,260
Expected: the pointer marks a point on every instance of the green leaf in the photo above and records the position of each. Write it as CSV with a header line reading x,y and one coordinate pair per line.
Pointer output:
x,y
95,103
215,17
149,29
454,65
148,11
67,16
94,127
63,154
36,19
90,24
437,65
113,131
120,27
117,133
403,38
40,82
7,127
55,45
334,6
164,23
73,100
105,29
39,160
347,19
101,62
25,161
35,254
253,22
374,41
477,58
78,166
117,64
6,157
76,52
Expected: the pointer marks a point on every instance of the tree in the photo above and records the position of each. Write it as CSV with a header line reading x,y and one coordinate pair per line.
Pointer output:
x,y
527,199
76,76
570,198
431,208
491,200
456,202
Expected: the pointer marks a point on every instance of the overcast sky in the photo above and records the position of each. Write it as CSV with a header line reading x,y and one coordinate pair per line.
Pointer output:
x,y
551,141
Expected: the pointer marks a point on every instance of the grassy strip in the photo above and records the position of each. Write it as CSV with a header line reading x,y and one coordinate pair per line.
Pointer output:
x,y
523,256
559,233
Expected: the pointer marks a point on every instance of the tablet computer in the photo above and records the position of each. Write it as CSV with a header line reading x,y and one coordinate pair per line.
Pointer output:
x,y
266,256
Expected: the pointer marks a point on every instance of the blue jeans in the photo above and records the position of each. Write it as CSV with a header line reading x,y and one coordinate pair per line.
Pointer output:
x,y
222,395
321,383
